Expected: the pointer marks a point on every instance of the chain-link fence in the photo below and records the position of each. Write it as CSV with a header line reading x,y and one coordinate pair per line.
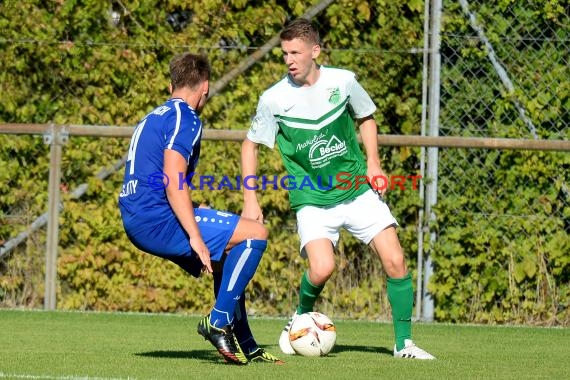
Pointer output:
x,y
505,73
505,70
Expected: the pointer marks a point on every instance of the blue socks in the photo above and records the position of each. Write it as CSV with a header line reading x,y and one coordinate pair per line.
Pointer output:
x,y
242,330
239,267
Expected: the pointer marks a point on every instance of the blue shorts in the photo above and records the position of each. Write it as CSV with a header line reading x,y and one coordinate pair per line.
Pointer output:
x,y
163,236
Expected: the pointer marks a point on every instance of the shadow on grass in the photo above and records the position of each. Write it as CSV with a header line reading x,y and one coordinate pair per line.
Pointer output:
x,y
208,355
213,356
351,348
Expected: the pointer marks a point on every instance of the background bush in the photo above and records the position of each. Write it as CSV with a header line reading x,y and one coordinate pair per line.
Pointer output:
x,y
71,62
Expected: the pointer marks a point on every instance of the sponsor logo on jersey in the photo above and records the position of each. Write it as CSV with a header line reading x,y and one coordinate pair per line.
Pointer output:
x,y
310,142
322,152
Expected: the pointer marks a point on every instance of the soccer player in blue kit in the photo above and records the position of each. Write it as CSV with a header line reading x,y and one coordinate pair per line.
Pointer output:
x,y
160,218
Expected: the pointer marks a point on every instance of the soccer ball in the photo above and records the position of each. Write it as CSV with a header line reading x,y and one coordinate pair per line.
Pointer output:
x,y
312,334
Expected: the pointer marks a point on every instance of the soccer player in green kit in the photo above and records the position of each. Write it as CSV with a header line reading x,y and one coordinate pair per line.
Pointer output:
x,y
311,113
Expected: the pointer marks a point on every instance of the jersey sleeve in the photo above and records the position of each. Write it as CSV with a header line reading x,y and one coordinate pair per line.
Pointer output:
x,y
360,102
182,132
264,127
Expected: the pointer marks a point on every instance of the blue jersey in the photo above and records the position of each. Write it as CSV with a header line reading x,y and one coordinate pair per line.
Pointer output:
x,y
173,125
148,218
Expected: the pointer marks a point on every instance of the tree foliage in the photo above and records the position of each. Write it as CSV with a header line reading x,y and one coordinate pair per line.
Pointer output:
x,y
105,63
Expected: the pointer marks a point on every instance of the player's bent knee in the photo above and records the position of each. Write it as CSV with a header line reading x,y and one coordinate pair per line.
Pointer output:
x,y
249,229
319,278
396,268
320,272
260,232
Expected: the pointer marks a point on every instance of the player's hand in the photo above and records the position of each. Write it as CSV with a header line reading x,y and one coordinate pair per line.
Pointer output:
x,y
203,252
379,180
252,210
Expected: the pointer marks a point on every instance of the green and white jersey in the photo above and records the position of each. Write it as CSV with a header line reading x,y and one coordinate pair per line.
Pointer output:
x,y
315,131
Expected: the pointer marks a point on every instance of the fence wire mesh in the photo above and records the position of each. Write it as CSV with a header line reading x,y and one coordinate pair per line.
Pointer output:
x,y
514,53
505,74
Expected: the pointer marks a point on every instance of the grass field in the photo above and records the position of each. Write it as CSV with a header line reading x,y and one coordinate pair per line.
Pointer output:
x,y
74,345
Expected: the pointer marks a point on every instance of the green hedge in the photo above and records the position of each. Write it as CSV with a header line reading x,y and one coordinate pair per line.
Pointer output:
x,y
67,63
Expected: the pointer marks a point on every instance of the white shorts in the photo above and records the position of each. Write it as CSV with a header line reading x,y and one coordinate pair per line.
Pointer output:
x,y
364,217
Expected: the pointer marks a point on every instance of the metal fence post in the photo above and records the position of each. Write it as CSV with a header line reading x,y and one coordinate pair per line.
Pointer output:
x,y
55,136
432,152
420,254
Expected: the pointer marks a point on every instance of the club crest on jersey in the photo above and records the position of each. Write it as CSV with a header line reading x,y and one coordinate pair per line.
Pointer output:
x,y
323,151
334,95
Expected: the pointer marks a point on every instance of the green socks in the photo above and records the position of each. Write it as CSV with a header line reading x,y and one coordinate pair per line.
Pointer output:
x,y
401,298
308,294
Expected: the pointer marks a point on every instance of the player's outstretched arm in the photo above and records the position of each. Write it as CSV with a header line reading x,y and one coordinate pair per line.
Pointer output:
x,y
251,208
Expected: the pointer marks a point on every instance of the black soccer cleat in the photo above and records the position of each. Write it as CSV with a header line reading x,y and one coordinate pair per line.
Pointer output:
x,y
224,340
